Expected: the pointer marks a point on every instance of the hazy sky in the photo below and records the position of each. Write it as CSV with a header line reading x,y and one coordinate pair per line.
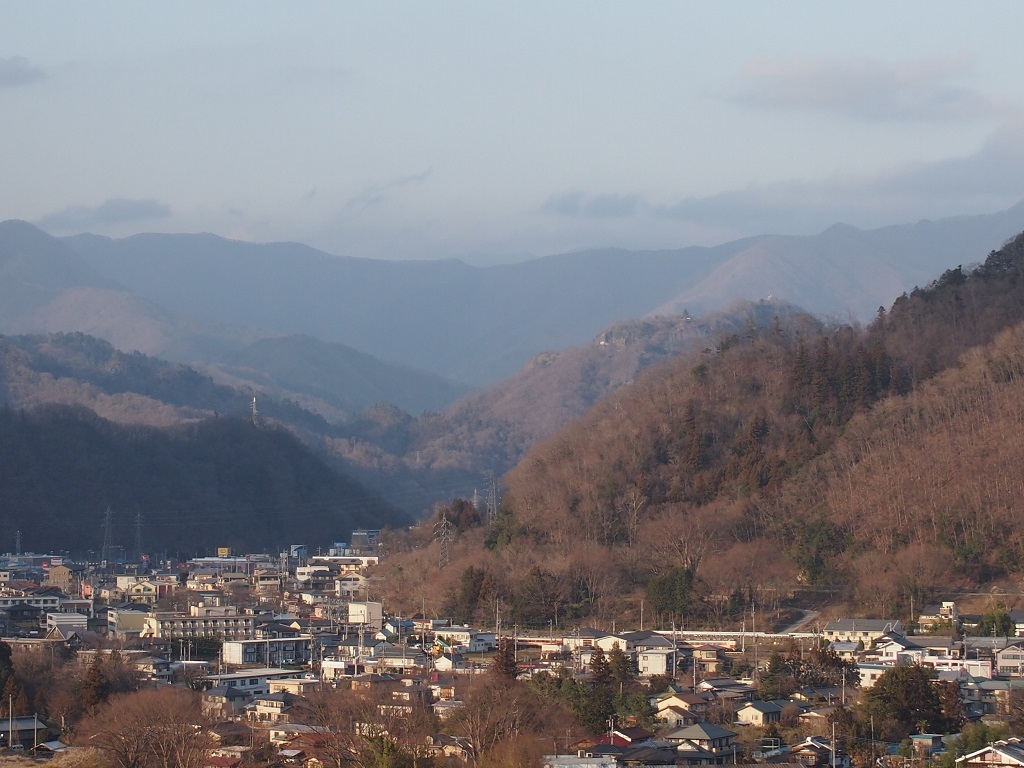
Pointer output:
x,y
492,131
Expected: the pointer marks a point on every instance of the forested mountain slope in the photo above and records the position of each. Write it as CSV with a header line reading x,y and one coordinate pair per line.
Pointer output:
x,y
81,430
878,462
493,428
128,388
220,482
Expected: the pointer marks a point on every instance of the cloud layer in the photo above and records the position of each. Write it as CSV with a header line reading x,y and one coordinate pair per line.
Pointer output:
x,y
985,181
868,89
114,211
17,70
608,206
377,193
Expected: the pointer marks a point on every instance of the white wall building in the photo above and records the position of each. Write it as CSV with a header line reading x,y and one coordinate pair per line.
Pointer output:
x,y
201,621
467,639
252,681
270,651
655,662
67,622
366,613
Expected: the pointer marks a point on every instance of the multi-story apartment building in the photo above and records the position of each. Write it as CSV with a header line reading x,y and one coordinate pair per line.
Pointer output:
x,y
201,621
270,651
46,603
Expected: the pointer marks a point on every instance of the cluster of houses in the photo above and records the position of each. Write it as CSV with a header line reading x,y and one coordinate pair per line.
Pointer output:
x,y
290,625
698,744
987,669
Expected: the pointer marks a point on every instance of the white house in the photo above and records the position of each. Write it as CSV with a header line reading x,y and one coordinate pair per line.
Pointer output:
x,y
653,663
252,681
869,673
1010,660
1008,753
759,713
467,639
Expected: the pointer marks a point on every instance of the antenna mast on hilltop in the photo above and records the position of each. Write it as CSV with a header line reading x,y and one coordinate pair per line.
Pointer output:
x,y
255,413
17,542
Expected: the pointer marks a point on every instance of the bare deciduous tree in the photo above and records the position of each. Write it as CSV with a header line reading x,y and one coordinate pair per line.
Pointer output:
x,y
149,729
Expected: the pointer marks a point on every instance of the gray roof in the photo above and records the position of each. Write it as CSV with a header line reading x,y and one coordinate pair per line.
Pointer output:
x,y
226,692
1010,748
701,732
765,707
932,641
655,641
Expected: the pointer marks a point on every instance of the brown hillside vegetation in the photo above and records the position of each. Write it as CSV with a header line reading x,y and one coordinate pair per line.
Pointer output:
x,y
669,479
495,427
781,458
928,487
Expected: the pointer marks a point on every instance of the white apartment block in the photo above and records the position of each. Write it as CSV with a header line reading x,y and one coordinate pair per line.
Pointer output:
x,y
45,603
201,621
269,651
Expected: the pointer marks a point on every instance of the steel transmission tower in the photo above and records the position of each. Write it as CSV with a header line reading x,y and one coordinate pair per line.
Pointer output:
x,y
443,532
108,538
138,537
492,498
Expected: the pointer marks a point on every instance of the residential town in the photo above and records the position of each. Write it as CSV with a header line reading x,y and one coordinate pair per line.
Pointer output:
x,y
258,638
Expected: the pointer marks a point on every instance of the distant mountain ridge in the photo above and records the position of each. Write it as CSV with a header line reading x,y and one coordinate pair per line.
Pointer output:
x,y
465,323
36,268
330,379
480,324
322,389
45,287
848,272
